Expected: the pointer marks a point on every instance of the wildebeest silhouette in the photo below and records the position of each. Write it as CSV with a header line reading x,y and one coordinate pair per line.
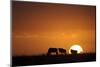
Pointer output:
x,y
52,50
62,51
73,51
56,51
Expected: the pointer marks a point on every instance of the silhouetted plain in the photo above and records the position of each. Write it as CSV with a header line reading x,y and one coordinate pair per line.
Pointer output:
x,y
53,58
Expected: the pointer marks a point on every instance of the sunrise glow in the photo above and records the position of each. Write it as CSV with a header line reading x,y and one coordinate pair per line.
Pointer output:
x,y
78,48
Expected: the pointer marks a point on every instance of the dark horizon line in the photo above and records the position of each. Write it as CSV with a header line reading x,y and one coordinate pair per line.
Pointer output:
x,y
50,55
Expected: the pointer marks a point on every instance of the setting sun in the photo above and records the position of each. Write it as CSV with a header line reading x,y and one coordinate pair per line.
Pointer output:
x,y
77,48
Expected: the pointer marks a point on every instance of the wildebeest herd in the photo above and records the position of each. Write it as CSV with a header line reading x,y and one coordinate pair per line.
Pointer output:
x,y
57,51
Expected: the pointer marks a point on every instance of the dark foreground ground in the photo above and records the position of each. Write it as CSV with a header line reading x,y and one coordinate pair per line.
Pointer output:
x,y
43,59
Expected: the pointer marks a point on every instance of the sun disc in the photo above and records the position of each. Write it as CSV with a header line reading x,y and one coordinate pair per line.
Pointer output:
x,y
78,48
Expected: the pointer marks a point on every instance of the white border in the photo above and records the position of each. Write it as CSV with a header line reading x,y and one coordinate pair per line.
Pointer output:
x,y
82,2
5,33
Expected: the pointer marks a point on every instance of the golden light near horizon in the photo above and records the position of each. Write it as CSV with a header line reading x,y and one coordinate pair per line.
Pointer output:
x,y
78,48
73,35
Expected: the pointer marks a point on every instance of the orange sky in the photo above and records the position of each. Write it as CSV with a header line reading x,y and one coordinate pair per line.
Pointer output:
x,y
39,26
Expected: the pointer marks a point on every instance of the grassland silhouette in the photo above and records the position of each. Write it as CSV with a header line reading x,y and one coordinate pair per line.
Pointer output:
x,y
53,56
